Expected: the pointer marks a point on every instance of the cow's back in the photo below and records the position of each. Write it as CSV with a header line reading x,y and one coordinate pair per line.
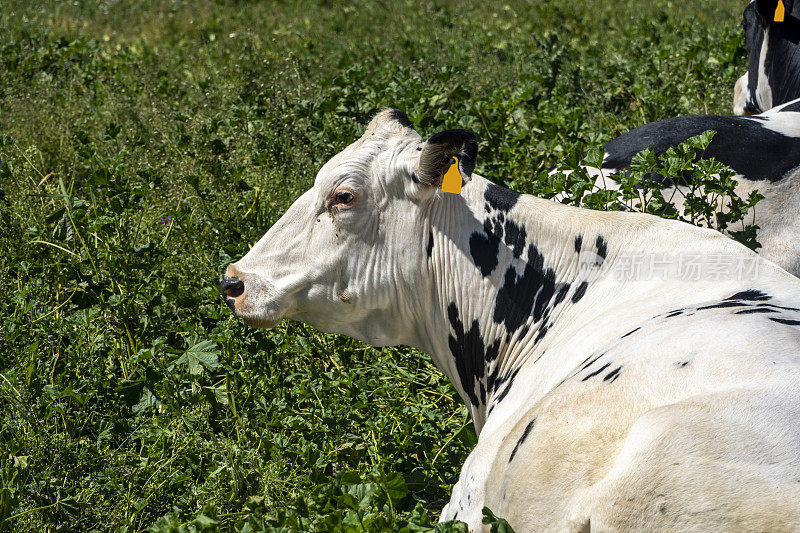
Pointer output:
x,y
697,433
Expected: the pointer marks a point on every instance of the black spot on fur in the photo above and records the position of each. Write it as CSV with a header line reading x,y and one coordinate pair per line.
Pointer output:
x,y
543,299
492,351
515,236
497,228
590,363
562,293
779,307
414,177
522,296
611,376
602,247
674,313
754,310
468,351
631,332
543,329
495,381
786,321
429,248
505,391
593,374
484,249
750,295
500,198
681,364
721,305
578,243
580,291
522,438
493,227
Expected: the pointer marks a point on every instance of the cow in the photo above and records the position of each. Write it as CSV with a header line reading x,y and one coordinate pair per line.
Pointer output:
x,y
772,40
605,396
763,150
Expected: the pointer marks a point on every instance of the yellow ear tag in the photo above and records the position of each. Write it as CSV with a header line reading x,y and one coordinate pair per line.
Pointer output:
x,y
451,182
779,11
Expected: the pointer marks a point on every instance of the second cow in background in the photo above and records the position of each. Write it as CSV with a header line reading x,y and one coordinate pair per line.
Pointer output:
x,y
772,39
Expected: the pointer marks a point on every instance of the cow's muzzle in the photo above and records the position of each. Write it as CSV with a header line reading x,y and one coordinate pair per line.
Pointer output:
x,y
231,288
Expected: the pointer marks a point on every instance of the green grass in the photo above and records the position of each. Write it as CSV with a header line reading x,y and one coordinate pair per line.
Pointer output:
x,y
144,145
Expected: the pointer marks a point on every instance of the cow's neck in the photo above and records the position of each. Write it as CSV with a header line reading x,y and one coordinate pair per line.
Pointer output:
x,y
523,291
504,275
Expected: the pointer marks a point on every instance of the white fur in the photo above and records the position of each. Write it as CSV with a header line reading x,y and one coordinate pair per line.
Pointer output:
x,y
763,89
740,93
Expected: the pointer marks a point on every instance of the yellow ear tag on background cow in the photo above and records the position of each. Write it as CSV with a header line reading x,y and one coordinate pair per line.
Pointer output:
x,y
780,11
451,182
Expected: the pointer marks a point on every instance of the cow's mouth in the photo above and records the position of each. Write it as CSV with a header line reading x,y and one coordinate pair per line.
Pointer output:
x,y
251,298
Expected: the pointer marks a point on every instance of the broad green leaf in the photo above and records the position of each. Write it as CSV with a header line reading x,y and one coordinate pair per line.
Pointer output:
x,y
204,354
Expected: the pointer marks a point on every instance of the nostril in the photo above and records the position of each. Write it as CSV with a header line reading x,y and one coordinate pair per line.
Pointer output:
x,y
231,287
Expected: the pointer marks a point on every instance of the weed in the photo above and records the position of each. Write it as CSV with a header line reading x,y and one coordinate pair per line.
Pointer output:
x,y
144,145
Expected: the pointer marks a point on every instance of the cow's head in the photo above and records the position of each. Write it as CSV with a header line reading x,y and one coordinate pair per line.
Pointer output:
x,y
773,56
348,253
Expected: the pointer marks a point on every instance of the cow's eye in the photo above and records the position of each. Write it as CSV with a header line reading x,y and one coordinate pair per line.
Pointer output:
x,y
344,197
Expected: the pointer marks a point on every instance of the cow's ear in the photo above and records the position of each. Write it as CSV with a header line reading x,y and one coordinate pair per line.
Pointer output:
x,y
766,9
437,154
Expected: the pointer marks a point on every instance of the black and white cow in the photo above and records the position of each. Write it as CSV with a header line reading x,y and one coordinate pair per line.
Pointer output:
x,y
623,372
773,56
764,150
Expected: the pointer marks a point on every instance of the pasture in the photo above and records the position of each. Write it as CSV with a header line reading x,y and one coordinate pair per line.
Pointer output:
x,y
145,145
